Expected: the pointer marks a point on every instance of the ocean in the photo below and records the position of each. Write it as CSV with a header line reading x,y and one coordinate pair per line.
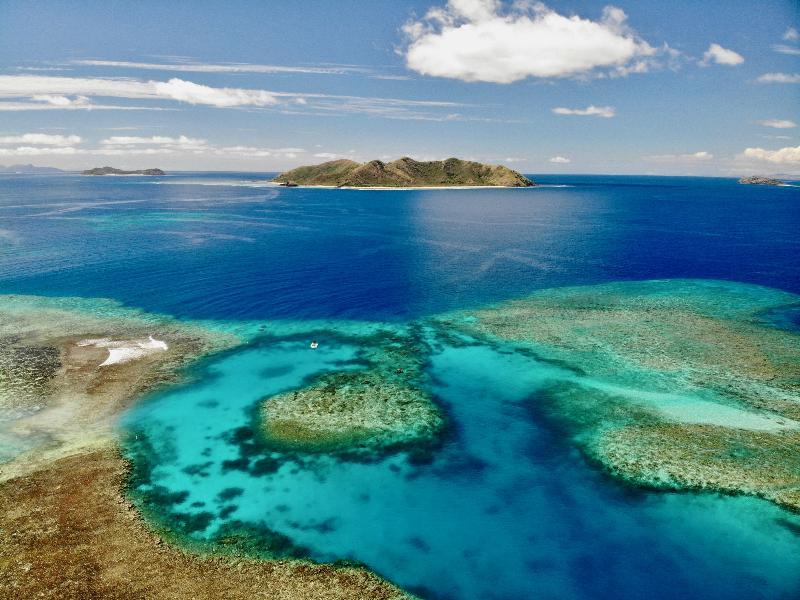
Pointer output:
x,y
507,506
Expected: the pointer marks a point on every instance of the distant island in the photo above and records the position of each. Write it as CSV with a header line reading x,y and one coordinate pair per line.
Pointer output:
x,y
113,171
404,172
28,169
759,180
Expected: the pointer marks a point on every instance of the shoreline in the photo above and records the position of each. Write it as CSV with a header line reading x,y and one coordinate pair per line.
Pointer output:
x,y
406,188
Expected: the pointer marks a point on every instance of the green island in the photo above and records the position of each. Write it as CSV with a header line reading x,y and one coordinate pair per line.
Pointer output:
x,y
115,171
402,173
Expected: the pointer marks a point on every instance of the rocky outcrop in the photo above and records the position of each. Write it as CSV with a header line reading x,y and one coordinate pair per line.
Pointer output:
x,y
759,180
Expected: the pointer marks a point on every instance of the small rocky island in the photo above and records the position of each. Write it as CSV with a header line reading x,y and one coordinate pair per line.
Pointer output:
x,y
404,172
113,171
759,180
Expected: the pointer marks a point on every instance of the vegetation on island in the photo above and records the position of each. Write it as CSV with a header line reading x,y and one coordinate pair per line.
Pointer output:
x,y
404,172
114,171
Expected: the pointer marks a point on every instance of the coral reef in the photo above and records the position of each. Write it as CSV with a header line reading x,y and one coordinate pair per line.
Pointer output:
x,y
675,383
69,533
382,406
55,399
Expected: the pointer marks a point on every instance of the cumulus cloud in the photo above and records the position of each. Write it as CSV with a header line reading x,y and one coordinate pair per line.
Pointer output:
x,y
39,144
483,40
590,111
560,160
791,35
779,78
690,157
778,123
721,56
789,155
41,139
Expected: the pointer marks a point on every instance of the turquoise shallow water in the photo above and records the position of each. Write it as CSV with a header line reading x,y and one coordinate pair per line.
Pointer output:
x,y
506,508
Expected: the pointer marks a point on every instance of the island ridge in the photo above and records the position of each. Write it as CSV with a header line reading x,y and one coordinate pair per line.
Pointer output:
x,y
404,172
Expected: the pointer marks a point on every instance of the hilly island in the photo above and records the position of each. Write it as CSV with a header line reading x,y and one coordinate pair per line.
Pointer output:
x,y
404,172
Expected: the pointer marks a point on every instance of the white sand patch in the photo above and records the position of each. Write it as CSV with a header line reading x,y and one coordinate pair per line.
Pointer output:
x,y
690,409
123,351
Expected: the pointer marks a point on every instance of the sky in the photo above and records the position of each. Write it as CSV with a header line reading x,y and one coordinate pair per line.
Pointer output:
x,y
640,87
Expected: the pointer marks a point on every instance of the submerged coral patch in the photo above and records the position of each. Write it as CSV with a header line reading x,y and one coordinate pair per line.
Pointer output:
x,y
680,384
346,411
382,406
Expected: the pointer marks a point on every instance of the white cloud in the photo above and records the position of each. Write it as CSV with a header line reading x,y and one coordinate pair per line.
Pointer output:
x,y
791,35
778,123
328,155
41,139
786,49
788,155
560,160
690,157
195,93
193,67
185,145
39,151
52,92
153,139
62,101
481,40
721,56
180,143
779,78
590,111
28,106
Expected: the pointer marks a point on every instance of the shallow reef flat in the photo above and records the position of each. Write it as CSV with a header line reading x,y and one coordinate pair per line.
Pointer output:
x,y
70,367
379,406
680,384
69,533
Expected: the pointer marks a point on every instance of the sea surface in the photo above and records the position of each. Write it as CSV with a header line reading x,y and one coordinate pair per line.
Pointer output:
x,y
506,507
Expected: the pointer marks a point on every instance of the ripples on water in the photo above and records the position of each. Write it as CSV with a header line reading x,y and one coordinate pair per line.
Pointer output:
x,y
198,246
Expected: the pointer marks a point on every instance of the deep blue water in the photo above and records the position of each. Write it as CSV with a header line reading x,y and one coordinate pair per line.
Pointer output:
x,y
507,508
204,250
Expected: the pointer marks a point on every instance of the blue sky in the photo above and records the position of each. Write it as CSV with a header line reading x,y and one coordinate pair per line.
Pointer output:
x,y
679,87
